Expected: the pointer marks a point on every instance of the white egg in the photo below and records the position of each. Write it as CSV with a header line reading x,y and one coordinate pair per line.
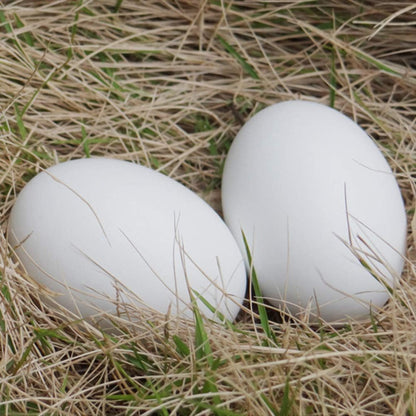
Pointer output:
x,y
92,230
316,200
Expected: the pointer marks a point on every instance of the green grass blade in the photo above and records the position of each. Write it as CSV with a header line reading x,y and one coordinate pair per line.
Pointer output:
x,y
139,361
118,6
85,142
203,347
215,311
5,23
28,38
20,124
74,26
211,387
264,319
74,29
9,29
203,352
376,63
17,365
121,397
244,64
267,402
287,401
332,80
181,347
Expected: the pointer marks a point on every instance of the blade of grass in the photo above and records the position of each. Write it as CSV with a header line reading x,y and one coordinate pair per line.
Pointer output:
x,y
9,29
85,142
20,124
287,401
27,36
376,63
203,352
264,319
332,79
267,402
216,312
117,6
203,347
5,23
17,365
74,29
244,64
181,347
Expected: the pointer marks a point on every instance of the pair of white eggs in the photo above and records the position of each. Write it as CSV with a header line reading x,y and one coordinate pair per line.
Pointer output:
x,y
316,200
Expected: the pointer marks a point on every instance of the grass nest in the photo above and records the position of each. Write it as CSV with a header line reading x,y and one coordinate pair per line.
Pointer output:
x,y
168,85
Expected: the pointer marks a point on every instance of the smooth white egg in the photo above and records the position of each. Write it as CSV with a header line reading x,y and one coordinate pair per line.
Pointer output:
x,y
96,230
316,200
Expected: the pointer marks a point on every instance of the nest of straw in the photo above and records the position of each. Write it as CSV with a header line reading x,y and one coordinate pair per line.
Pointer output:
x,y
168,85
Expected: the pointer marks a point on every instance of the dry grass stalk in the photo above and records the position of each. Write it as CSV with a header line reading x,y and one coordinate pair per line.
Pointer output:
x,y
168,84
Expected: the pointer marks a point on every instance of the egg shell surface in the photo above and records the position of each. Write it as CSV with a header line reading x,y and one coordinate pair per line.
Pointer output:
x,y
316,200
98,230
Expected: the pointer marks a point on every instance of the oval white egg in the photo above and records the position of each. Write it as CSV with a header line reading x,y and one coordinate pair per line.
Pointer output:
x,y
320,208
96,231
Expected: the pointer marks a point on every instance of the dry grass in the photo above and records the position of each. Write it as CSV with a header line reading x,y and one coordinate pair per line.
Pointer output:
x,y
168,84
